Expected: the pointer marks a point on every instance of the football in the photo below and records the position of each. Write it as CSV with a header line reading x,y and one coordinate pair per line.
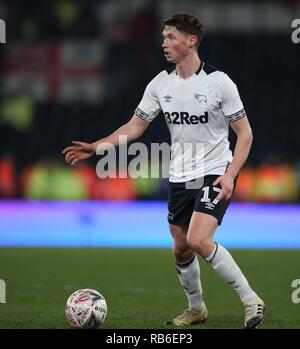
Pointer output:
x,y
86,308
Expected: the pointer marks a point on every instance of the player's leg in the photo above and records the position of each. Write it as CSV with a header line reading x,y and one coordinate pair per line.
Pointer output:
x,y
200,238
180,209
204,222
187,267
188,270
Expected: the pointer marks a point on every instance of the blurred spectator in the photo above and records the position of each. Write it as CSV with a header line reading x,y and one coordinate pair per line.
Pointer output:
x,y
7,177
18,111
75,19
52,181
143,33
245,185
275,183
118,189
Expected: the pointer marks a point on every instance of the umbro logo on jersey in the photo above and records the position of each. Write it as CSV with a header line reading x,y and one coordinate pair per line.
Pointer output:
x,y
200,98
167,98
183,117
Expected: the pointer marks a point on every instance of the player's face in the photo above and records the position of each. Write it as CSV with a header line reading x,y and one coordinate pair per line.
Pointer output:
x,y
176,44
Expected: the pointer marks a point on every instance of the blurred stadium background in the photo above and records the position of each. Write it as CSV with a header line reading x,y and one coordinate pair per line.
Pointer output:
x,y
77,70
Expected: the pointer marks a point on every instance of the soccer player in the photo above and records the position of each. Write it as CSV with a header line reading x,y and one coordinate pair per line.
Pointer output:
x,y
199,102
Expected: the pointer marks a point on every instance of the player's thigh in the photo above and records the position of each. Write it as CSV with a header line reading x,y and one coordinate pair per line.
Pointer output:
x,y
181,204
206,203
202,228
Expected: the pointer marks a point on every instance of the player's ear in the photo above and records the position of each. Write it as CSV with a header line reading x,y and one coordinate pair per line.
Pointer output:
x,y
193,39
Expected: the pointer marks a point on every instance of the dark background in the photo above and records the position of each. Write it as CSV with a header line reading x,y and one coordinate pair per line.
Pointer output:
x,y
262,61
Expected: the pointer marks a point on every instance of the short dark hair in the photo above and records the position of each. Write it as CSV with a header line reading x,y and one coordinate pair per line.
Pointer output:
x,y
187,23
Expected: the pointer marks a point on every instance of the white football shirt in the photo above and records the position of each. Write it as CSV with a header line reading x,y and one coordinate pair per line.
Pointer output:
x,y
198,111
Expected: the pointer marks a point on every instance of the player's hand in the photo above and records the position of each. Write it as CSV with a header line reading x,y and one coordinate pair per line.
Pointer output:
x,y
78,151
227,183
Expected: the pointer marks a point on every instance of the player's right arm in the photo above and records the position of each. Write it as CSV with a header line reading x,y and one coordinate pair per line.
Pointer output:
x,y
133,129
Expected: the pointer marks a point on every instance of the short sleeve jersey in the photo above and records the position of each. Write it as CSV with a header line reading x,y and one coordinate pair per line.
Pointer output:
x,y
197,111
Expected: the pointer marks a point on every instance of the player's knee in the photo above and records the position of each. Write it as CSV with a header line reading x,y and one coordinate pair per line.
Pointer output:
x,y
182,252
199,244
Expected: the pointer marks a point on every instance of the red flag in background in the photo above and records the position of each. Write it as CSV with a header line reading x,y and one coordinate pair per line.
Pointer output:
x,y
56,72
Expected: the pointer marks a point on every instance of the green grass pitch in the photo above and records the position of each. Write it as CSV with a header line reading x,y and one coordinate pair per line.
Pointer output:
x,y
140,286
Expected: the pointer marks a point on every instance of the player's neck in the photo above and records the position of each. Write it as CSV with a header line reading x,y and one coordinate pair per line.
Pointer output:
x,y
188,66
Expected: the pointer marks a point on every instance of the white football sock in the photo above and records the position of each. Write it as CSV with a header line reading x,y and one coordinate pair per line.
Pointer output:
x,y
189,277
223,263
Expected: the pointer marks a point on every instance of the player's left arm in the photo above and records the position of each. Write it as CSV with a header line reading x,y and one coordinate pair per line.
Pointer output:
x,y
243,131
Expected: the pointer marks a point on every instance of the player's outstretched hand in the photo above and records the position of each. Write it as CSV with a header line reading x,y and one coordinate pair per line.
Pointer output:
x,y
78,151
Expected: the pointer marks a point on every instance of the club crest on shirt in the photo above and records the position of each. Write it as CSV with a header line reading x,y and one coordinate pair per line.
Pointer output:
x,y
200,98
171,216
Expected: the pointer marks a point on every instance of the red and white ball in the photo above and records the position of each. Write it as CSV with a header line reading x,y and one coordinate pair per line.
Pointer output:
x,y
86,308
